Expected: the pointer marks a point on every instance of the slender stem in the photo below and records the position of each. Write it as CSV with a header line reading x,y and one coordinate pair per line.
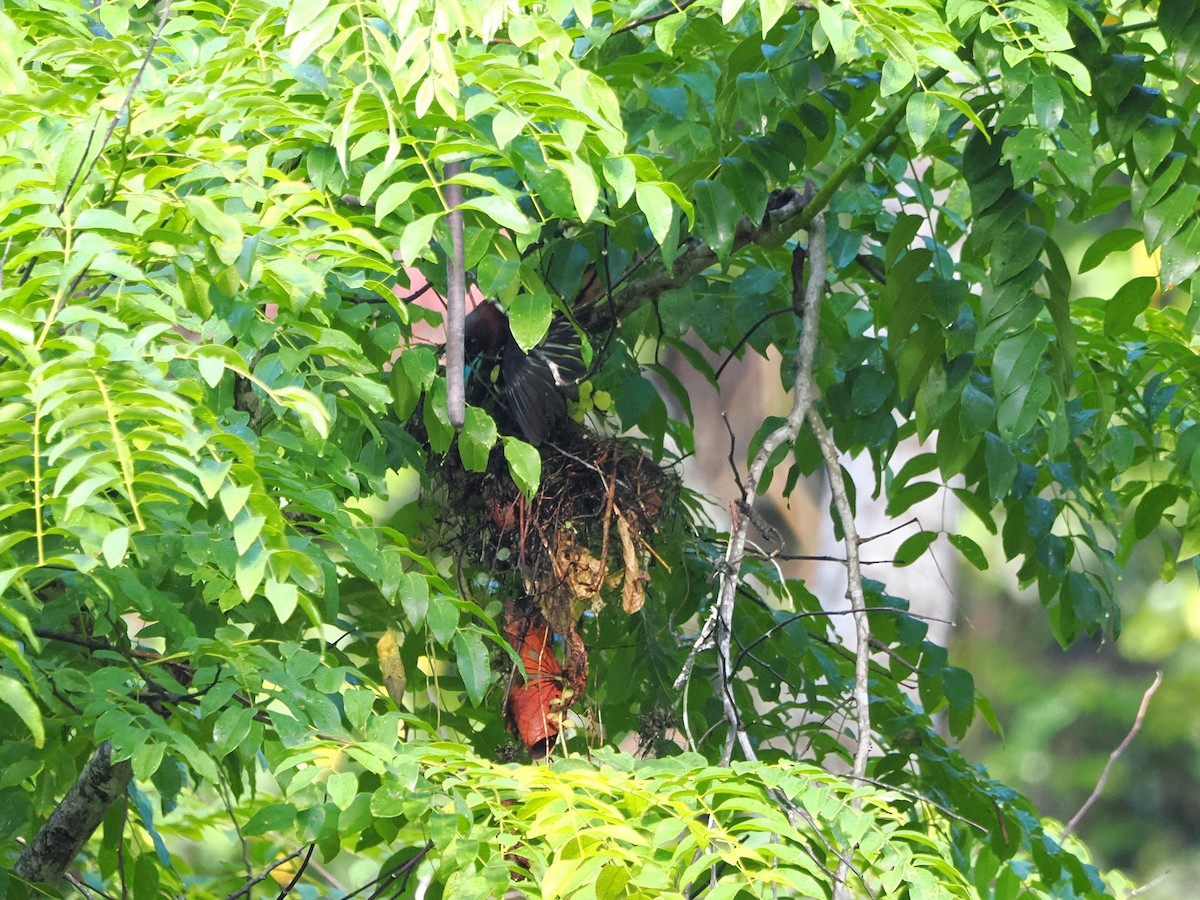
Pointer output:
x,y
1114,756
720,623
854,592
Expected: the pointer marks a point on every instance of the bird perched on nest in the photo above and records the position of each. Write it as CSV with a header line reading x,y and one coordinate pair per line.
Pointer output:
x,y
531,389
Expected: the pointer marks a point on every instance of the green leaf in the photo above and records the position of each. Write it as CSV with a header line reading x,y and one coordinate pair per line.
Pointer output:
x,y
959,688
921,115
104,220
14,695
503,211
1129,302
416,237
442,619
1047,101
977,412
913,548
342,788
970,550
1108,243
306,405
506,125
275,817
656,206
246,531
1001,466
524,465
1151,507
585,192
474,664
717,215
233,498
393,196
250,569
302,14
529,317
225,230
283,597
911,495
115,544
1181,256
611,882
414,598
476,439
898,73
231,729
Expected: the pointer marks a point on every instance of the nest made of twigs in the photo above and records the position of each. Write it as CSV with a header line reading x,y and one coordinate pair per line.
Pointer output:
x,y
587,530
584,539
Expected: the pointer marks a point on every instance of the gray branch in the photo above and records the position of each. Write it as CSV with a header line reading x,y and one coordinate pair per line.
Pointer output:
x,y
720,624
79,814
858,605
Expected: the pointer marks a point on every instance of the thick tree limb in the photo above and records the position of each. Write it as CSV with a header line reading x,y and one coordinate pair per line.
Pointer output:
x,y
74,820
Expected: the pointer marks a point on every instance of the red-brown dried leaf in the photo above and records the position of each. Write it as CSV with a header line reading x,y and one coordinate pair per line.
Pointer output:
x,y
534,703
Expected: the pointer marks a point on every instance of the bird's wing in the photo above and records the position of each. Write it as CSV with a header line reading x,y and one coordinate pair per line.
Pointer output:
x,y
531,392
562,353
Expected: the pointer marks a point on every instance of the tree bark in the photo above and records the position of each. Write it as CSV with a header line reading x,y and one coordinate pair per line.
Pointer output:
x,y
78,815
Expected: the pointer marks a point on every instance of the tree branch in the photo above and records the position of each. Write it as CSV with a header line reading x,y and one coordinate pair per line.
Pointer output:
x,y
788,212
720,622
246,888
59,841
1114,756
858,603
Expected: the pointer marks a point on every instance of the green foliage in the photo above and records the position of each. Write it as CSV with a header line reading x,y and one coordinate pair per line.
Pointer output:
x,y
215,227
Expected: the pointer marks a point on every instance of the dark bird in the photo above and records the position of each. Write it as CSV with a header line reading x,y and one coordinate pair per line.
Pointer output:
x,y
531,388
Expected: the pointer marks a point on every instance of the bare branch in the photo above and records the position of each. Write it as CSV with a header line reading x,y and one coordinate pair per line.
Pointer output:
x,y
287,888
720,623
246,888
783,219
788,211
858,603
1114,756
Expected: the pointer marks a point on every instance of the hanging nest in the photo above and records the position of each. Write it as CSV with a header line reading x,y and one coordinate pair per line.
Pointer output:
x,y
583,541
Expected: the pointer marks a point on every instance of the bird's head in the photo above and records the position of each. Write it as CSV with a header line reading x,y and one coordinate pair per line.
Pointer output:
x,y
485,332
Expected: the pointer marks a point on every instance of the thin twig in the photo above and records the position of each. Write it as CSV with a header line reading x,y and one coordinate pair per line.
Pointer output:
x,y
1114,756
121,846
654,17
749,333
246,888
788,212
874,537
287,888
1149,885
226,799
858,603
